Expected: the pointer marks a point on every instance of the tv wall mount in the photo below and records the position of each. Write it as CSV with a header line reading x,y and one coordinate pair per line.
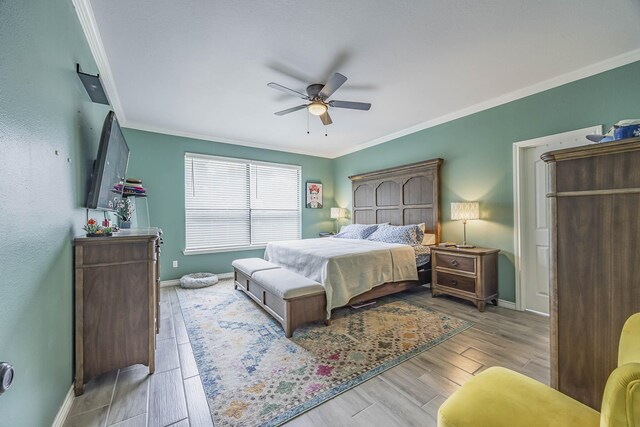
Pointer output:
x,y
93,85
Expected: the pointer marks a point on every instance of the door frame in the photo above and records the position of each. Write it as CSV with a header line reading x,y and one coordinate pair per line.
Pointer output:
x,y
518,215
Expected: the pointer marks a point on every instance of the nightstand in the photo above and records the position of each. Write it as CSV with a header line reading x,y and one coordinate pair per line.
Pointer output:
x,y
467,273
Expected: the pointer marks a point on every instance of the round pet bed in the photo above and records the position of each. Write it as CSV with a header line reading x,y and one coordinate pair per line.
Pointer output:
x,y
198,280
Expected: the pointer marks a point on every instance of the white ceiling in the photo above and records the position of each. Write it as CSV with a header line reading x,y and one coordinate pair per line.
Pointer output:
x,y
200,68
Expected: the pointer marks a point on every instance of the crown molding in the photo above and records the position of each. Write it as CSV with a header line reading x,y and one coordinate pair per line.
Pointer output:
x,y
90,28
588,71
222,140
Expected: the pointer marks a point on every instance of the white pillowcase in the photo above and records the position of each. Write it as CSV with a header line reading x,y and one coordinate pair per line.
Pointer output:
x,y
428,239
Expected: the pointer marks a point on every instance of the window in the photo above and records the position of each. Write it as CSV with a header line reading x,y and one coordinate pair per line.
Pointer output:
x,y
237,204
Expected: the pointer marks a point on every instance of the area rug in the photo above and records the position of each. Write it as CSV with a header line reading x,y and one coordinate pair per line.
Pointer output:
x,y
254,376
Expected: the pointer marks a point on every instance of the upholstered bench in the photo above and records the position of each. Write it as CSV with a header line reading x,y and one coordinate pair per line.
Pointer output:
x,y
248,266
290,298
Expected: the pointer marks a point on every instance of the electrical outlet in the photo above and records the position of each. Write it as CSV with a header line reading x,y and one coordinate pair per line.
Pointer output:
x,y
175,264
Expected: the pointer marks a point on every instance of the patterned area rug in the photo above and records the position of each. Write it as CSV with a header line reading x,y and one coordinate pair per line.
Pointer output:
x,y
253,375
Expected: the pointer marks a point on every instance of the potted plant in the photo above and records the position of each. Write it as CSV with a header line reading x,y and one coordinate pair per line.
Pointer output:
x,y
94,229
124,211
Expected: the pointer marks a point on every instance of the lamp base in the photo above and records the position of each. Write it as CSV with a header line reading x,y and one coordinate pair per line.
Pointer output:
x,y
465,246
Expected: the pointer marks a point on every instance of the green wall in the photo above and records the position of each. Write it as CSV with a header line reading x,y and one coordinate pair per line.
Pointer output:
x,y
49,134
43,109
158,160
477,153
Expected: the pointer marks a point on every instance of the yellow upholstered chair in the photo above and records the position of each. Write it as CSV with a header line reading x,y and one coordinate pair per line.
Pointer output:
x,y
499,397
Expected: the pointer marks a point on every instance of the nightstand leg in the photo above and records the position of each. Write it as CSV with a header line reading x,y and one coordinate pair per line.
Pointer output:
x,y
79,387
495,302
481,305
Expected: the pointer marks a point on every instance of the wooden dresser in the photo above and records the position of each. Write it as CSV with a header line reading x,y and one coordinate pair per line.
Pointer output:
x,y
116,302
595,261
468,273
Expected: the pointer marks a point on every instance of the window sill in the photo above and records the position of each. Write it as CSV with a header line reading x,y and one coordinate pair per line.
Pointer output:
x,y
223,249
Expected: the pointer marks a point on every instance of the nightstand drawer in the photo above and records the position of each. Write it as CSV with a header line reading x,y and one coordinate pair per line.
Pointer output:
x,y
456,262
454,281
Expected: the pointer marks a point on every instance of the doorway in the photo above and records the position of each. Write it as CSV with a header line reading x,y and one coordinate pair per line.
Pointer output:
x,y
531,215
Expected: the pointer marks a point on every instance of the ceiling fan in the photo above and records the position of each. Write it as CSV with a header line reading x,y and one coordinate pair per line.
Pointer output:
x,y
318,94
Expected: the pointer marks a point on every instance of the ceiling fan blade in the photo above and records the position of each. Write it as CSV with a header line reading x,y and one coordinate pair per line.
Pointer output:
x,y
287,90
352,105
332,85
326,118
290,110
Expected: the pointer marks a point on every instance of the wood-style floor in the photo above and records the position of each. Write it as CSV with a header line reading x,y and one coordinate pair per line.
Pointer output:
x,y
406,395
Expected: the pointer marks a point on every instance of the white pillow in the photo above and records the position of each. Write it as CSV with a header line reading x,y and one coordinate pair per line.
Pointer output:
x,y
428,239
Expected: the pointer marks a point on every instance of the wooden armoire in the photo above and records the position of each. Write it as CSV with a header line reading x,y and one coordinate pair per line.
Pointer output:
x,y
595,261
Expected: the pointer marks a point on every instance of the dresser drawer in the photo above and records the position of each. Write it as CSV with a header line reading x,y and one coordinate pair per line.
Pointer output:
x,y
454,281
115,253
456,262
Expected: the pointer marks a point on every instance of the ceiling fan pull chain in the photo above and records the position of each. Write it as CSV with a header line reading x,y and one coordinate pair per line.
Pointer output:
x,y
308,122
325,131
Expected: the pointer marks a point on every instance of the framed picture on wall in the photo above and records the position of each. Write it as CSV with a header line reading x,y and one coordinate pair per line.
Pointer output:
x,y
314,195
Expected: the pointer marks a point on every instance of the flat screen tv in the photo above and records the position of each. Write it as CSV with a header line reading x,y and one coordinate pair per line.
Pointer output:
x,y
110,168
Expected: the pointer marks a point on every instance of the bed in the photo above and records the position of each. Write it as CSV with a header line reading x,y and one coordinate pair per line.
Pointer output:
x,y
353,271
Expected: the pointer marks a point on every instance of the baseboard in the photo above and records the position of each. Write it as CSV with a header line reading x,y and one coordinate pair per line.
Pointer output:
x,y
507,304
538,313
176,282
64,409
167,283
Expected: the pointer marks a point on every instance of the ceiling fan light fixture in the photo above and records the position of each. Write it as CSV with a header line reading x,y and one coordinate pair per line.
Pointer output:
x,y
317,108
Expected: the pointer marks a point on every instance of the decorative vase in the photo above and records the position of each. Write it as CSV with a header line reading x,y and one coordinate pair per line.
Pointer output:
x,y
125,224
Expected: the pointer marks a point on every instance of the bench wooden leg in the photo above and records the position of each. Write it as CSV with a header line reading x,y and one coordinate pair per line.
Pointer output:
x,y
327,322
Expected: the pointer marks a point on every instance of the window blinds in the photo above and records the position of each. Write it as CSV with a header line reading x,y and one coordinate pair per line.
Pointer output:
x,y
239,203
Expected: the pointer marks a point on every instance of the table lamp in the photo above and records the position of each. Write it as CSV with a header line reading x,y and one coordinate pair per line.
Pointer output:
x,y
338,214
465,211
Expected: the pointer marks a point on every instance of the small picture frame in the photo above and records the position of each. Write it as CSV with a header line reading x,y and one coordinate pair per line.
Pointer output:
x,y
314,195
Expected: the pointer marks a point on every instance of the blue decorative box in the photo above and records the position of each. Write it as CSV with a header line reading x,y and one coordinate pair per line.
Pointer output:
x,y
624,132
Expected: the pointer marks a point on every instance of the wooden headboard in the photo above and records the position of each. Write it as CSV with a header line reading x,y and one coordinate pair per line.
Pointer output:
x,y
408,194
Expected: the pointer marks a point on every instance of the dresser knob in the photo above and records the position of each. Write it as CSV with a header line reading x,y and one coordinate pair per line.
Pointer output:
x,y
454,263
454,282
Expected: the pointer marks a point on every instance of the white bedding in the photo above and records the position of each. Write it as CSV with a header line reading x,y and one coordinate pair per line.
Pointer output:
x,y
345,267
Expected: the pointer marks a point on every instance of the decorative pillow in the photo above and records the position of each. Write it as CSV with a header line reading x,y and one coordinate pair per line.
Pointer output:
x,y
346,227
404,234
356,231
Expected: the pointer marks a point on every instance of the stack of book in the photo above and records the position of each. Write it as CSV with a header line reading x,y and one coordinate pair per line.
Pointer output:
x,y
133,187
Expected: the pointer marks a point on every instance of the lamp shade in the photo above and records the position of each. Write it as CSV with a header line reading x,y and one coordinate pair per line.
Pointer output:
x,y
337,213
465,210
